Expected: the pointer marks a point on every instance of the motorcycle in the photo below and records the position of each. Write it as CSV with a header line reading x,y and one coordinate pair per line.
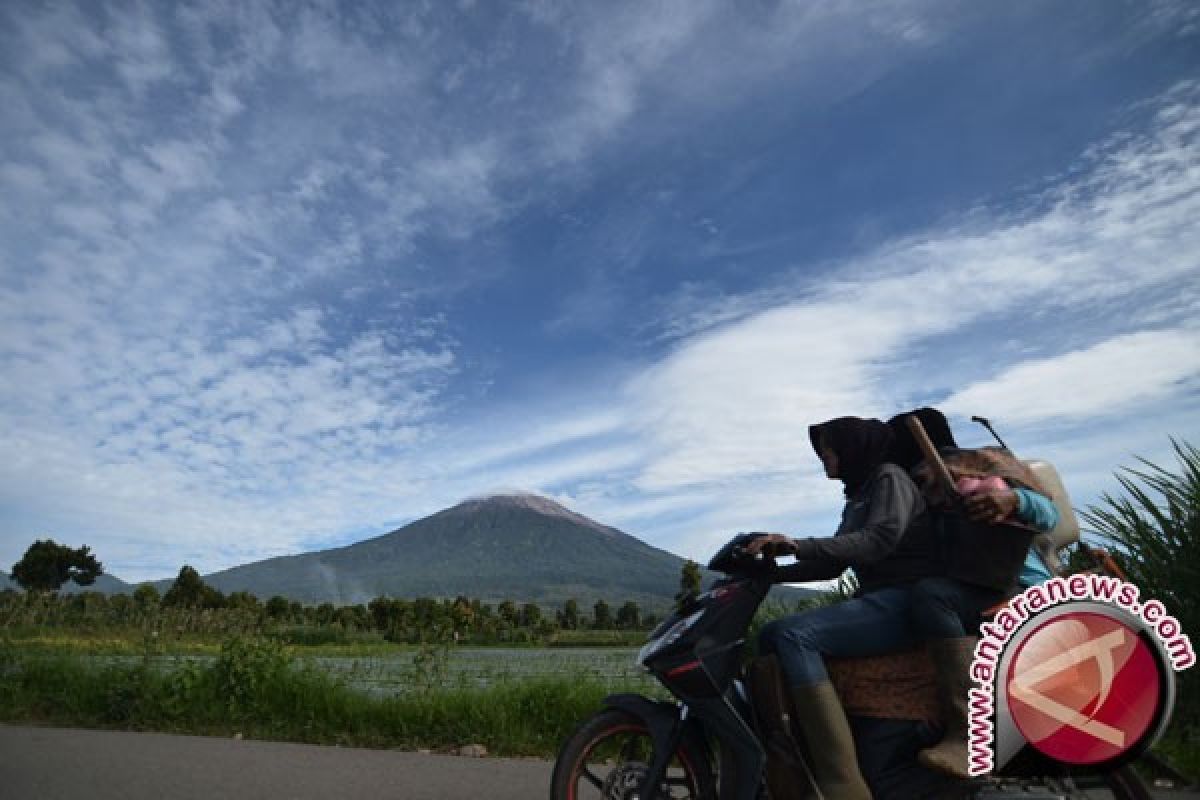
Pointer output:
x,y
707,744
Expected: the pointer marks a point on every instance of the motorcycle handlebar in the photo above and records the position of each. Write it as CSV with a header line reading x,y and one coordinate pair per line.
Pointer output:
x,y
735,557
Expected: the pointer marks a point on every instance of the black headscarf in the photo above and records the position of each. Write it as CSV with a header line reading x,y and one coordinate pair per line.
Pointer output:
x,y
861,445
905,453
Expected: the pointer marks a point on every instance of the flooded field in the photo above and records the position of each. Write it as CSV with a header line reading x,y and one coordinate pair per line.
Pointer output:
x,y
411,669
478,667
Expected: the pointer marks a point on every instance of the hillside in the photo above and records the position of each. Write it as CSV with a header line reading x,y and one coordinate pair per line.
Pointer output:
x,y
520,547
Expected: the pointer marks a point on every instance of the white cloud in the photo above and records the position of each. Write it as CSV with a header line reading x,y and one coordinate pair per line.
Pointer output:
x,y
87,221
343,63
739,401
64,38
618,51
69,158
541,436
143,54
635,59
1108,379
246,447
23,178
544,475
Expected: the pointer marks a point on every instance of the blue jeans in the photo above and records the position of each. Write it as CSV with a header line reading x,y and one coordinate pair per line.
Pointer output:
x,y
875,623
943,608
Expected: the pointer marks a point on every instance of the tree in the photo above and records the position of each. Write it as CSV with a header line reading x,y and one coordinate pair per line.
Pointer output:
x,y
568,618
426,613
325,613
351,617
629,616
277,607
531,615
47,565
189,591
243,601
601,616
689,582
120,606
461,614
146,596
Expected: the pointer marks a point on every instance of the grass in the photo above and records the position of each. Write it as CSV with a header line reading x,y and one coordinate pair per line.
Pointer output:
x,y
108,643
253,687
1182,751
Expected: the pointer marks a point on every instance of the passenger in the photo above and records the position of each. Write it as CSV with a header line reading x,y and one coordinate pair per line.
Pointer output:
x,y
947,609
885,536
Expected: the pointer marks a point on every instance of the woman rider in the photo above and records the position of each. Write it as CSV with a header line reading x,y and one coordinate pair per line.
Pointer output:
x,y
885,536
946,609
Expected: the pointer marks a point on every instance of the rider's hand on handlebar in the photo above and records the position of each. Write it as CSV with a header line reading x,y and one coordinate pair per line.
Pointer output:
x,y
771,544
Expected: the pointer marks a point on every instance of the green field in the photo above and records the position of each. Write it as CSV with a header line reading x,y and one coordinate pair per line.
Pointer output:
x,y
406,669
512,701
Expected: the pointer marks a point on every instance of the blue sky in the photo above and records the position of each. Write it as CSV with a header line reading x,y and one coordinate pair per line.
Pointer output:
x,y
276,278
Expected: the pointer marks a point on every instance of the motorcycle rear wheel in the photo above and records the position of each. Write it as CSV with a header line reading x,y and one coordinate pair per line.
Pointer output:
x,y
1125,784
607,758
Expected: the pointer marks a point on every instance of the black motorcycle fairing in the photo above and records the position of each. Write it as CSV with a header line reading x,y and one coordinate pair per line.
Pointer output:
x,y
742,756
671,732
697,654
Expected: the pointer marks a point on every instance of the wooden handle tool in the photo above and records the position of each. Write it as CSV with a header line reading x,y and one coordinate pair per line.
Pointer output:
x,y
932,457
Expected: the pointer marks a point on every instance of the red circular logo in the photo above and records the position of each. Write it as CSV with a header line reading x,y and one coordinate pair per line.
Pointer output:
x,y
1084,688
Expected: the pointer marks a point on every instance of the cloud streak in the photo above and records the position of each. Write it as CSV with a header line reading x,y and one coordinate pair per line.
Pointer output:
x,y
1109,379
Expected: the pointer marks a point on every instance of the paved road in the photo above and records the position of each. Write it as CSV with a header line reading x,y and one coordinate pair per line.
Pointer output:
x,y
66,764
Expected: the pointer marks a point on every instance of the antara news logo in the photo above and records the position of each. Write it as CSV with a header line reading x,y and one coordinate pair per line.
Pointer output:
x,y
1079,668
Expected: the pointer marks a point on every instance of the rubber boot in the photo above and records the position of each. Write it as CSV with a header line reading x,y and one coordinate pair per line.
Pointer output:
x,y
952,659
828,742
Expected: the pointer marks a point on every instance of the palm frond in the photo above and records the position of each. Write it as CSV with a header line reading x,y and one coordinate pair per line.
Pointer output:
x,y
1154,529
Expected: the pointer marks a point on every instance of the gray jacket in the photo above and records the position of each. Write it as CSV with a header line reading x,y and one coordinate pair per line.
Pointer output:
x,y
885,536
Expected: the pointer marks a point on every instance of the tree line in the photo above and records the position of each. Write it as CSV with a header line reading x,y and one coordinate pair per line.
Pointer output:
x,y
192,606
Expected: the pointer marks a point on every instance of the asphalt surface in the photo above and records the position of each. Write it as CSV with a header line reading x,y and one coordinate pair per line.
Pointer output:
x,y
68,764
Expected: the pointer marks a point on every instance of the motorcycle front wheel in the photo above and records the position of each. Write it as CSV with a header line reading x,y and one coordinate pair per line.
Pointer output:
x,y
607,759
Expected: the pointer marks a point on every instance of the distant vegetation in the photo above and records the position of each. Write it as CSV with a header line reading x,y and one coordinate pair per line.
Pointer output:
x,y
192,609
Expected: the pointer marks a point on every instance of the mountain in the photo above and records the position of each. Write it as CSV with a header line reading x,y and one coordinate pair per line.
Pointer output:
x,y
521,547
105,584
